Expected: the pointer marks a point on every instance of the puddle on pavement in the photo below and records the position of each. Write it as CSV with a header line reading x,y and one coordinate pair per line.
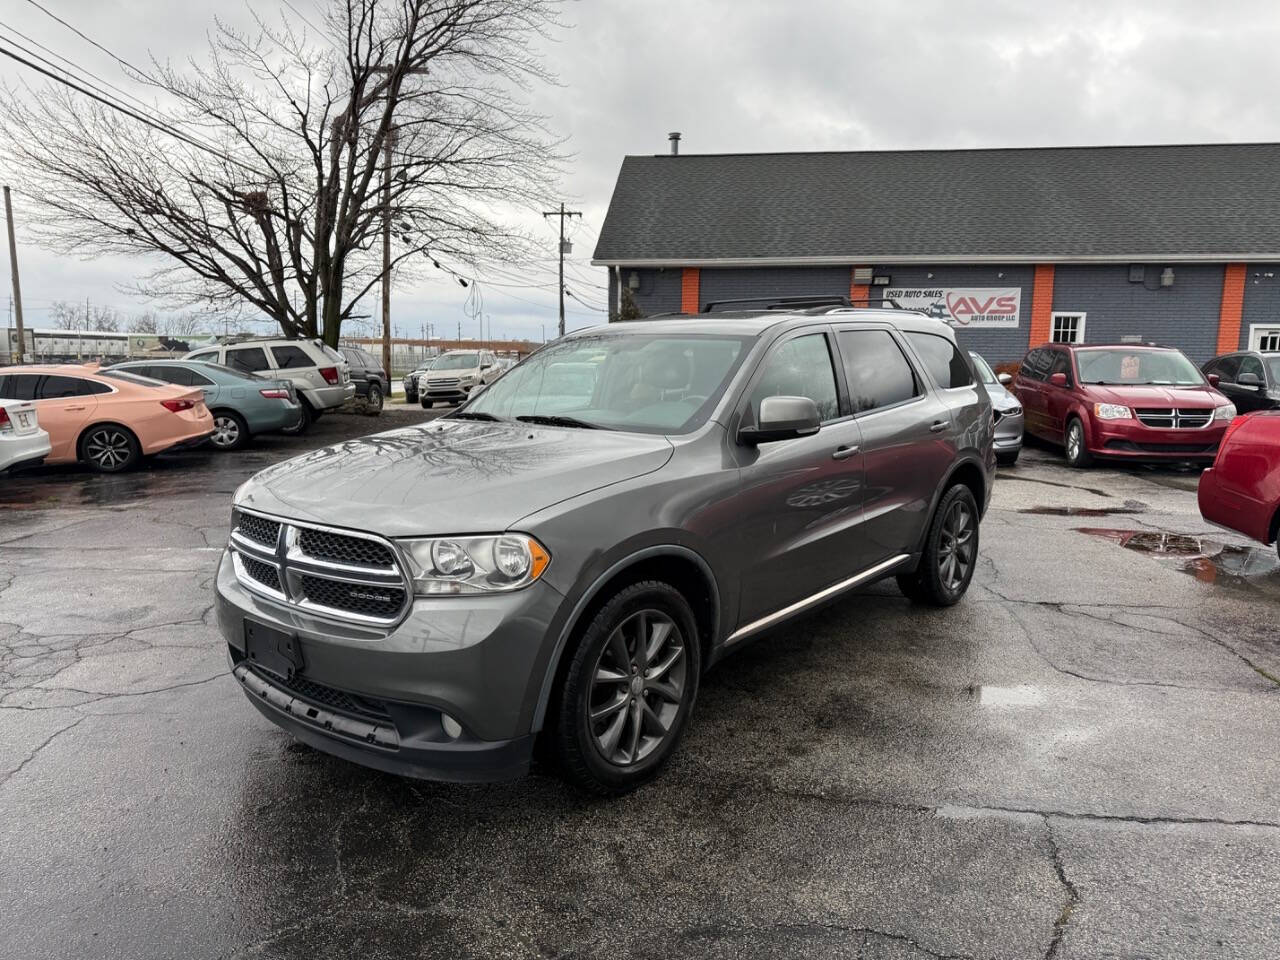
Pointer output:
x,y
1206,559
1022,695
1130,507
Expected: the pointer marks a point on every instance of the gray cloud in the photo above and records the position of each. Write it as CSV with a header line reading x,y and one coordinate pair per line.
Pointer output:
x,y
759,75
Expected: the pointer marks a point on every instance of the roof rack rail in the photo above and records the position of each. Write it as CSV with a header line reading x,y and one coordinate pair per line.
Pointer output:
x,y
793,303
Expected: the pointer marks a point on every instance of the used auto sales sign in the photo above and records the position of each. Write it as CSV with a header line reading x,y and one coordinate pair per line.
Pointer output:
x,y
963,306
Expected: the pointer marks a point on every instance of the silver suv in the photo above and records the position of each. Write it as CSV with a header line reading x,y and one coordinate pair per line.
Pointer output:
x,y
451,377
320,375
564,556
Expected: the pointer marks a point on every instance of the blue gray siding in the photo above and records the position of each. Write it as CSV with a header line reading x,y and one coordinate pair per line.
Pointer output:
x,y
659,290
1261,298
736,283
1184,315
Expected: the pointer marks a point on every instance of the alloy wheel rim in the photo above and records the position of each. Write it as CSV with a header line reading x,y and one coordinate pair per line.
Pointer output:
x,y
955,550
375,398
225,431
108,448
1073,441
637,688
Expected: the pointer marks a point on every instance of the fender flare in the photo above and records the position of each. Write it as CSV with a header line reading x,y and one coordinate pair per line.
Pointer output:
x,y
966,459
593,590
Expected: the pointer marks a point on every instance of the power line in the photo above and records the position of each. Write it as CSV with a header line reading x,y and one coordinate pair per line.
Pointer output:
x,y
105,101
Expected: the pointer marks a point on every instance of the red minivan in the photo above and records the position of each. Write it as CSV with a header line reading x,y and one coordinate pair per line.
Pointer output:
x,y
1242,489
1123,401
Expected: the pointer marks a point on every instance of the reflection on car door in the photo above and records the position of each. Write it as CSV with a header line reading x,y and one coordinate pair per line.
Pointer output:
x,y
1029,387
1057,400
907,442
800,499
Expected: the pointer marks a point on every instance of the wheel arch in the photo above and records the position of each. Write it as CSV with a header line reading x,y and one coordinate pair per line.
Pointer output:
x,y
683,568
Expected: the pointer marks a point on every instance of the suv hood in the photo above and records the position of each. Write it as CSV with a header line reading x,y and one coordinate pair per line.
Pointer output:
x,y
1156,396
450,476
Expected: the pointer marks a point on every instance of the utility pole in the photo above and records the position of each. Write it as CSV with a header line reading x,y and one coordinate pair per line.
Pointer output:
x,y
388,143
17,288
565,247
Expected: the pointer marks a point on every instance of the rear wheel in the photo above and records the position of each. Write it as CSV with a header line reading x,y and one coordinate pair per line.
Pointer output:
x,y
1078,454
950,552
373,402
110,449
304,423
230,432
629,689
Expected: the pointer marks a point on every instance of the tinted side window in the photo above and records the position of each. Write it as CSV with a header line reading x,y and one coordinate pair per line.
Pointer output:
x,y
1253,365
178,375
801,367
1061,364
1226,368
93,386
55,387
1036,365
4,387
947,364
22,386
290,358
249,359
205,356
879,374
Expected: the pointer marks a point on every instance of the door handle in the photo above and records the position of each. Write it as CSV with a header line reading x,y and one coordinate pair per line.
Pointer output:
x,y
73,408
843,453
938,426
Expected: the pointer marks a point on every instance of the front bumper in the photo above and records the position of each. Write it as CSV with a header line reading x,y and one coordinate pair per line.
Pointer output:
x,y
378,694
454,392
1132,440
1008,434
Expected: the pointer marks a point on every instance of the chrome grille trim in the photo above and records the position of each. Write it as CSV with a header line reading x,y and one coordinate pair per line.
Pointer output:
x,y
1175,418
292,564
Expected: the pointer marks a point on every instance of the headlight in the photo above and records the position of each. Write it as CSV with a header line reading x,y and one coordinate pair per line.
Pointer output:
x,y
1225,412
461,565
1111,411
1012,411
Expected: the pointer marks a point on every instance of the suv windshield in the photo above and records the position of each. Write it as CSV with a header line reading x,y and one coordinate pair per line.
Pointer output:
x,y
982,369
1120,366
642,383
456,361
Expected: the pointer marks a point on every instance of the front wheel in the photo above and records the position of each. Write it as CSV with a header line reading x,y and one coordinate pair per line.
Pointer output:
x,y
629,689
950,552
1077,450
230,432
373,402
110,449
426,404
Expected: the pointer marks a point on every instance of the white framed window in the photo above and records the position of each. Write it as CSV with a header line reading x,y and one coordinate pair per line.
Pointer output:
x,y
1264,337
1067,328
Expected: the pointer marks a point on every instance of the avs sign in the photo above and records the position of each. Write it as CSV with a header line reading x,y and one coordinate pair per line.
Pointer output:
x,y
976,307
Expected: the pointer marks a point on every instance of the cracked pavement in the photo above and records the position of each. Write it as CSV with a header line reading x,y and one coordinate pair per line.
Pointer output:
x,y
1077,761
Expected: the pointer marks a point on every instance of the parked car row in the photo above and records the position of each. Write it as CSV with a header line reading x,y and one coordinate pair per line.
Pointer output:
x,y
450,377
110,417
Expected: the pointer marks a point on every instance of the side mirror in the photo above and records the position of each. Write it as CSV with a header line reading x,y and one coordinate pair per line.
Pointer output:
x,y
1058,379
1213,379
782,418
1248,380
1004,379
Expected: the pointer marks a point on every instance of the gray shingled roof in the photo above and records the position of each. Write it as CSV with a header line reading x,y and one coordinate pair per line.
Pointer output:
x,y
1120,203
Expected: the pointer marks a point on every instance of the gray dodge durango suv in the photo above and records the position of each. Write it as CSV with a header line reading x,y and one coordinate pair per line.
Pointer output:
x,y
564,556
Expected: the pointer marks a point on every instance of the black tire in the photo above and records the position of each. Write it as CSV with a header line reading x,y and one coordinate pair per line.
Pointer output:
x,y
109,448
1007,459
373,402
426,404
935,581
230,432
410,397
581,744
304,424
1075,447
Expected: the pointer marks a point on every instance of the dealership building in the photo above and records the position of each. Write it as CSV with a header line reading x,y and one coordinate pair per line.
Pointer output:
x,y
1014,247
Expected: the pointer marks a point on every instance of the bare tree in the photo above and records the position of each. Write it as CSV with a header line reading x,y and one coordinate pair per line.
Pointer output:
x,y
276,199
73,315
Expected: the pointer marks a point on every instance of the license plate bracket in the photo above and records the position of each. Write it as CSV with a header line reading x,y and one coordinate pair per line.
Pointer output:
x,y
275,651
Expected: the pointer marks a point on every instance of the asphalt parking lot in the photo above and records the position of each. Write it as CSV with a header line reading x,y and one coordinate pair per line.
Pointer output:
x,y
1078,761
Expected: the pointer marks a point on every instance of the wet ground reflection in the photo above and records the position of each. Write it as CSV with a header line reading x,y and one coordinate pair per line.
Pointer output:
x,y
1206,559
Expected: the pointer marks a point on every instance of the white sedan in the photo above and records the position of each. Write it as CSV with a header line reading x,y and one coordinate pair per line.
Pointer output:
x,y
21,439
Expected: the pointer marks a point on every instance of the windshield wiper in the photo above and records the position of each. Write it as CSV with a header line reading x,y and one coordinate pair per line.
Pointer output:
x,y
557,421
474,415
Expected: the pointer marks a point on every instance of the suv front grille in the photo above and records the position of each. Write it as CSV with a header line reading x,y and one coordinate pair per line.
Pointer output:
x,y
336,548
368,601
345,576
1174,418
443,382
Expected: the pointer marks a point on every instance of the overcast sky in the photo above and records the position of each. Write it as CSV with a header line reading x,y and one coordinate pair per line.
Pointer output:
x,y
763,75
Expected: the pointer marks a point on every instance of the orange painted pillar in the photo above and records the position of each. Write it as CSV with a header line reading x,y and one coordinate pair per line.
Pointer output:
x,y
1041,306
690,278
858,291
1231,313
